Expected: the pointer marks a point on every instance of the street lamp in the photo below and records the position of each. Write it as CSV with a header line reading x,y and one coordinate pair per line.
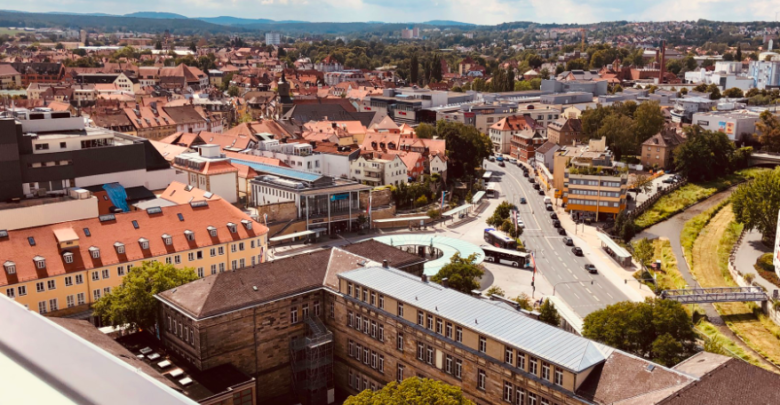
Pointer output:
x,y
568,282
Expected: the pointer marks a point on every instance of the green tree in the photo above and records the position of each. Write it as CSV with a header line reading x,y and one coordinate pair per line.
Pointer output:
x,y
690,63
768,128
414,69
495,290
674,66
234,91
643,184
412,391
592,120
639,328
619,131
461,273
648,121
59,46
157,45
133,301
193,47
701,88
756,204
733,92
715,93
425,131
576,64
421,201
524,301
548,314
705,155
643,251
500,214
738,55
467,148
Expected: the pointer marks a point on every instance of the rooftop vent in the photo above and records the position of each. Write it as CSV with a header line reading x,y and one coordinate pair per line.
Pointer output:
x,y
107,217
154,210
3,233
199,203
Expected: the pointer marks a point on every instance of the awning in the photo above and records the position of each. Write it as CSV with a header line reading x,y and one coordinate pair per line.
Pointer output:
x,y
456,210
385,220
477,197
616,249
290,236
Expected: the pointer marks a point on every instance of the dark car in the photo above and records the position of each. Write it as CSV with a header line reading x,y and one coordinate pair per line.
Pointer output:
x,y
553,215
501,163
548,207
537,186
525,174
577,251
522,200
541,191
670,180
531,180
591,268
561,232
556,223
568,242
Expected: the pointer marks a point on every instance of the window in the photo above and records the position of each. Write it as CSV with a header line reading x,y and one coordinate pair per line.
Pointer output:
x,y
200,272
429,352
358,321
358,350
459,334
373,329
357,291
545,371
106,273
222,267
531,399
233,248
221,250
351,348
51,284
39,287
168,260
365,355
482,344
95,276
373,298
448,364
42,307
22,290
420,318
401,309
508,390
212,252
80,299
481,379
509,355
79,279
106,290
532,365
68,257
190,257
459,369
96,295
40,262
294,315
69,301
365,325
420,351
349,318
399,342
10,292
448,330
349,288
381,365
316,308
374,359
305,311
520,361
430,322
558,376
381,301
520,396
381,334
399,374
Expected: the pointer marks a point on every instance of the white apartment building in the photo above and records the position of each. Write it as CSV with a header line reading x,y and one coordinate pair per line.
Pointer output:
x,y
379,169
210,170
273,38
765,73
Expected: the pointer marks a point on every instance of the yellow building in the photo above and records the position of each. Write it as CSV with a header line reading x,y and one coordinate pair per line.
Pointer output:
x,y
64,268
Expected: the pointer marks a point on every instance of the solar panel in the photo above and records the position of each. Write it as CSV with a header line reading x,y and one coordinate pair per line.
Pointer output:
x,y
135,224
153,210
107,217
31,240
208,194
181,217
199,203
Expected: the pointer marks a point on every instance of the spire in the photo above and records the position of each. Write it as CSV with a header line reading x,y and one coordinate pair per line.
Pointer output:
x,y
283,79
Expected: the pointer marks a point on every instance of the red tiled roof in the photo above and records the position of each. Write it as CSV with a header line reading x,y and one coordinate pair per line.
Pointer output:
x,y
103,235
181,193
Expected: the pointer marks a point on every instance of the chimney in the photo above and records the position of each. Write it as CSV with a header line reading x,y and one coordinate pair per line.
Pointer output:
x,y
445,282
384,264
424,278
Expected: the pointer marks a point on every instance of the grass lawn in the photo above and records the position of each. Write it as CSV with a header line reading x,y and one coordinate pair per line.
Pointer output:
x,y
8,31
694,226
710,260
766,269
713,334
690,194
668,277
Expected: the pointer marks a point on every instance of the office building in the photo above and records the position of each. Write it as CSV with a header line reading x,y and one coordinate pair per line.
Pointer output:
x,y
273,38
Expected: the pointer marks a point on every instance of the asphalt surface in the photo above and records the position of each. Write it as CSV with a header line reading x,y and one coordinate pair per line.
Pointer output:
x,y
584,292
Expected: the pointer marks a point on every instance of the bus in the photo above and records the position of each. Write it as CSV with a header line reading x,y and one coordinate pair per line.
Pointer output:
x,y
499,239
486,177
491,190
498,255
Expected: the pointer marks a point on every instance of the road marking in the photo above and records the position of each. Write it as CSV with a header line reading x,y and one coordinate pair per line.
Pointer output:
x,y
610,296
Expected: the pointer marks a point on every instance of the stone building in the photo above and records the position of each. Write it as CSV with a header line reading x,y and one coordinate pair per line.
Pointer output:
x,y
658,150
564,131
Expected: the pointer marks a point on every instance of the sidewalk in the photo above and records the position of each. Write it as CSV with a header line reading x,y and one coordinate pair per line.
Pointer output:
x,y
621,277
748,252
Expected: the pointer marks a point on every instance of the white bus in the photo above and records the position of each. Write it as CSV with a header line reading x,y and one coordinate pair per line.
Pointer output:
x,y
498,255
491,191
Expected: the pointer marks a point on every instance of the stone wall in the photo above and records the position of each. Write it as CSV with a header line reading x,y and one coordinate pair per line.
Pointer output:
x,y
378,198
285,211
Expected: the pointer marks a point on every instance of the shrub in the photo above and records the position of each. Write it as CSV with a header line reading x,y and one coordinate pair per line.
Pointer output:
x,y
749,278
423,200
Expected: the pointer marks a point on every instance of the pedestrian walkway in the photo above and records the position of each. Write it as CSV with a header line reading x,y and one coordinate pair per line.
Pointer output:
x,y
748,252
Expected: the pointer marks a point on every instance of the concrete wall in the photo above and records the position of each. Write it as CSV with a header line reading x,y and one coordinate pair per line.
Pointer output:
x,y
44,214
283,211
378,198
225,186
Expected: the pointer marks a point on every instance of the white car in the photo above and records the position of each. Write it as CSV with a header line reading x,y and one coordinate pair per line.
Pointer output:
x,y
520,223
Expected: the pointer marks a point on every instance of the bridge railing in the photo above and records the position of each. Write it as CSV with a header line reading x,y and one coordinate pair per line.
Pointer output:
x,y
717,294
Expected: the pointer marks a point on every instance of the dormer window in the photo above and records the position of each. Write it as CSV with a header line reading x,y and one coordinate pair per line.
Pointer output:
x,y
232,227
120,247
10,267
189,234
40,262
212,231
94,252
144,243
247,223
167,239
68,257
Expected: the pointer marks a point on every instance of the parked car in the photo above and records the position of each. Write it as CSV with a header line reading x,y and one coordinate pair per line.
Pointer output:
x,y
491,158
561,232
541,191
522,200
513,160
577,251
669,180
556,223
568,242
591,269
537,186
553,215
520,224
548,207
525,174
531,180
501,163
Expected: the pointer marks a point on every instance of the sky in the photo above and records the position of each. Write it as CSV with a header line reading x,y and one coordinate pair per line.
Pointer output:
x,y
477,12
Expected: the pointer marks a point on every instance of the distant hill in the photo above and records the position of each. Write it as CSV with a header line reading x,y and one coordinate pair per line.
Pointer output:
x,y
227,20
154,14
447,22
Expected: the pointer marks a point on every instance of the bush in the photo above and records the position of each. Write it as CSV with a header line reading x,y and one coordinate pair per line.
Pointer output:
x,y
434,213
423,200
749,278
766,269
495,290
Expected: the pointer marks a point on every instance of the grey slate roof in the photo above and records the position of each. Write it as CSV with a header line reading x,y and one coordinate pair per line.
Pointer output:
x,y
536,338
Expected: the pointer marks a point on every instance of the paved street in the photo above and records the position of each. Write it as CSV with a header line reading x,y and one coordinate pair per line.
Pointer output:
x,y
584,292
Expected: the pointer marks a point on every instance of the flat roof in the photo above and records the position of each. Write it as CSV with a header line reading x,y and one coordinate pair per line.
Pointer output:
x,y
509,326
281,171
385,220
448,247
617,249
290,236
477,197
456,210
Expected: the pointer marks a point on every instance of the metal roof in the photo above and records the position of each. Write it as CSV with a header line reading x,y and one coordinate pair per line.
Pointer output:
x,y
290,236
448,247
617,249
280,171
380,221
536,338
477,197
456,210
